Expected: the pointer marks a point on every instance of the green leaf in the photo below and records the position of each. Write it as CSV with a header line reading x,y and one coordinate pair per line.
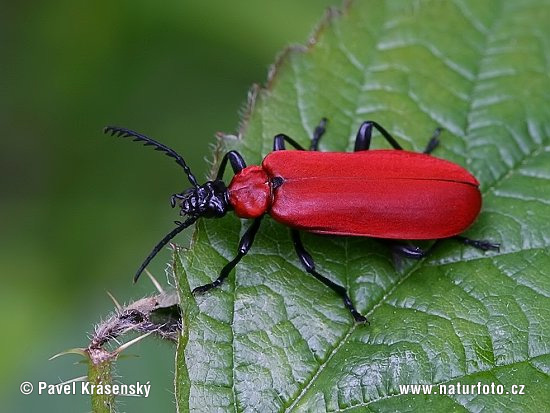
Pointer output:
x,y
272,338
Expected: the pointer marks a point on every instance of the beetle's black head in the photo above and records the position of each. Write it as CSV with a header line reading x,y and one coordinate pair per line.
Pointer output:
x,y
209,200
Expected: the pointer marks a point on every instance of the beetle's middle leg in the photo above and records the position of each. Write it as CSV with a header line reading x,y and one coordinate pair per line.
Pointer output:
x,y
362,143
279,142
309,265
244,246
364,135
408,251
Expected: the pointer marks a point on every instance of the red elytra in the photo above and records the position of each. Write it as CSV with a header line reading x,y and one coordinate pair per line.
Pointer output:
x,y
378,193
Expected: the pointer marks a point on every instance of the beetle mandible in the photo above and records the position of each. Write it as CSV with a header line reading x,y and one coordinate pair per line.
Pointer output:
x,y
394,195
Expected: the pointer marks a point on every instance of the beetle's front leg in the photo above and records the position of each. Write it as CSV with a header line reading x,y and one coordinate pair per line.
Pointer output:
x,y
235,159
244,246
309,265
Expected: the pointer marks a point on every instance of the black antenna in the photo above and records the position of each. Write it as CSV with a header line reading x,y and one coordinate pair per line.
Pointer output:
x,y
138,137
181,226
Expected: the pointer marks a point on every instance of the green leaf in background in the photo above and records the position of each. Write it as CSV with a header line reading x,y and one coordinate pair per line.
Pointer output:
x,y
272,338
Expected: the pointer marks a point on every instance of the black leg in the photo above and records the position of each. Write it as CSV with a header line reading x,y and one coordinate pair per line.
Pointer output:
x,y
433,142
363,138
416,253
364,134
236,160
279,143
317,133
362,141
309,266
483,245
244,246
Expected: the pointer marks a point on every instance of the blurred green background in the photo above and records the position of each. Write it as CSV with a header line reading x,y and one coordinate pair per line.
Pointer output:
x,y
80,210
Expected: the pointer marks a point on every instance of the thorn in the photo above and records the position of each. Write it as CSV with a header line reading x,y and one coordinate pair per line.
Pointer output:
x,y
154,281
117,304
131,342
81,378
77,350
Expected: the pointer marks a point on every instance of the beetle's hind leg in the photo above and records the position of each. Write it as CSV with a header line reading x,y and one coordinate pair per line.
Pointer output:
x,y
433,142
317,133
417,253
309,265
482,244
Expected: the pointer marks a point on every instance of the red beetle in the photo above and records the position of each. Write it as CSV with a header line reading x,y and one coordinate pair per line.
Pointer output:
x,y
388,194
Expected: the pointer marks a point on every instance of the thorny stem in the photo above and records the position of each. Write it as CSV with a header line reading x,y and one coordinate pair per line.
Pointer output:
x,y
100,374
159,315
